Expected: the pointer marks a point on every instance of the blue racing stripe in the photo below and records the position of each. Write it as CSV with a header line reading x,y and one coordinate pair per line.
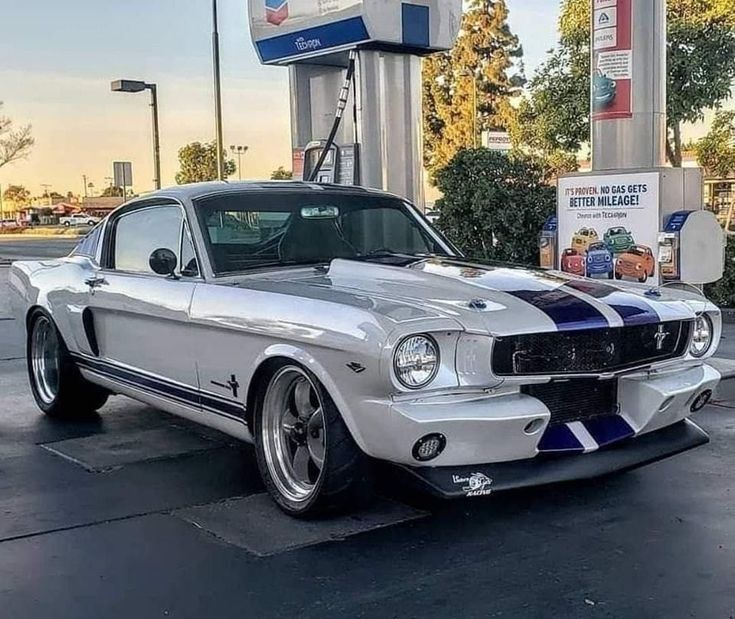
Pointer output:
x,y
559,438
633,309
568,312
609,429
183,394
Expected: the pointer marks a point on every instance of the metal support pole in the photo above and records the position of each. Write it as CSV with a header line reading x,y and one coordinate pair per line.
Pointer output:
x,y
156,138
217,95
84,178
474,110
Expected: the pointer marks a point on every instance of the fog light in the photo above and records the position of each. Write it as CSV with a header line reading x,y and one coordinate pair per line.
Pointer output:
x,y
429,447
701,400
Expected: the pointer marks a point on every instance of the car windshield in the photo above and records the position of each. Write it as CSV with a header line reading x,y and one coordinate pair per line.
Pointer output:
x,y
598,247
637,251
248,230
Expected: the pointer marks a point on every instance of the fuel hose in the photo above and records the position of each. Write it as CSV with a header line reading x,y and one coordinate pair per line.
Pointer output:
x,y
344,95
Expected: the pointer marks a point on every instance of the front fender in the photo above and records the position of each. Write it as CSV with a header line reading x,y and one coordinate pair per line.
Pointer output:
x,y
349,393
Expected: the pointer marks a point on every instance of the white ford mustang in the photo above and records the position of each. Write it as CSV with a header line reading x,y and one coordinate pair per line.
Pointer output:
x,y
333,327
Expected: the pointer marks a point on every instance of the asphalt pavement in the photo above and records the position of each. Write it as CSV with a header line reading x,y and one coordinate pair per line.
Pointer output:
x,y
134,513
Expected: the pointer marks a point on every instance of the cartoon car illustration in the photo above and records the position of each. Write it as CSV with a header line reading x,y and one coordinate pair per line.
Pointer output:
x,y
583,239
637,262
572,262
618,240
599,260
604,90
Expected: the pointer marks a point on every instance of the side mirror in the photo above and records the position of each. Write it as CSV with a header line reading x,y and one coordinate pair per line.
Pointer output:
x,y
163,261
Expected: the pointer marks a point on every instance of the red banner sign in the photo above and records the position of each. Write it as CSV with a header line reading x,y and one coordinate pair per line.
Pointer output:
x,y
612,60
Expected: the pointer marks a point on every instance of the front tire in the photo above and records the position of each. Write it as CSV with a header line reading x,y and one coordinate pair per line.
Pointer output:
x,y
307,458
56,384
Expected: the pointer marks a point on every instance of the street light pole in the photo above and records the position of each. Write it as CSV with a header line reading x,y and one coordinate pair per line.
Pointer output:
x,y
239,151
138,86
156,138
217,95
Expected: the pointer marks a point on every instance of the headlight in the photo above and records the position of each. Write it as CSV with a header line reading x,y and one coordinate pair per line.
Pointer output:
x,y
702,336
416,361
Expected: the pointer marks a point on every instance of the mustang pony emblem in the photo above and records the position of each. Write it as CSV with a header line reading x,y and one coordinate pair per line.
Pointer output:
x,y
660,336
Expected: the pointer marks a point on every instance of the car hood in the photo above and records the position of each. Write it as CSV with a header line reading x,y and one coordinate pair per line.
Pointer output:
x,y
500,300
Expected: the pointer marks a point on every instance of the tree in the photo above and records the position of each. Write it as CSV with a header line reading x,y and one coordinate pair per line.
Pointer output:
x,y
281,174
495,204
701,69
113,192
716,150
198,163
14,144
467,90
17,194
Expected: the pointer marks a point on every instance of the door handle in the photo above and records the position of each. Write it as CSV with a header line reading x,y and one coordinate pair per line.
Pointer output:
x,y
95,281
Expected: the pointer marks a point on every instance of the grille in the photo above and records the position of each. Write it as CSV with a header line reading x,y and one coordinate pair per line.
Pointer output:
x,y
576,400
589,351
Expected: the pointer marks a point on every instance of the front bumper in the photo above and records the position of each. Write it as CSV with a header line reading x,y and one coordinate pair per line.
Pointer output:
x,y
506,425
485,479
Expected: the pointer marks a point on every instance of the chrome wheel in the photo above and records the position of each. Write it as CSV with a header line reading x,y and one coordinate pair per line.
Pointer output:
x,y
45,364
293,433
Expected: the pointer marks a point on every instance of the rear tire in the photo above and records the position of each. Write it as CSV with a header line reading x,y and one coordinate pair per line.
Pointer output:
x,y
307,457
56,383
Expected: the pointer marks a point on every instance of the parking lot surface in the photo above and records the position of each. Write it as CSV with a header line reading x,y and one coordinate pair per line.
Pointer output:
x,y
135,513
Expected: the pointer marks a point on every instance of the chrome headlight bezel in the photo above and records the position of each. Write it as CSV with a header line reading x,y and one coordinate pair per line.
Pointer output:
x,y
703,336
400,366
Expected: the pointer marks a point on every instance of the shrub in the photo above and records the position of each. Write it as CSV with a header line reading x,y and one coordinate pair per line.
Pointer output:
x,y
494,204
722,292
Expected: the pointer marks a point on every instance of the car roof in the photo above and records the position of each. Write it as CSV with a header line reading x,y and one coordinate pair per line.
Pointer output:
x,y
197,190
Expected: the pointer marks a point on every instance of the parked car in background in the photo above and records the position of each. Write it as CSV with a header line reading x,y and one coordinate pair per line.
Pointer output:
x,y
572,262
79,219
599,260
334,327
432,216
637,262
618,240
583,239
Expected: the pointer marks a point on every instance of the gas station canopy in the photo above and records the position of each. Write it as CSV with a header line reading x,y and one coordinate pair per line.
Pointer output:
x,y
285,31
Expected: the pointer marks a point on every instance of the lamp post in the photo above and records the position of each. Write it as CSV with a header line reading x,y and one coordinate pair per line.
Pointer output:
x,y
239,151
136,86
217,95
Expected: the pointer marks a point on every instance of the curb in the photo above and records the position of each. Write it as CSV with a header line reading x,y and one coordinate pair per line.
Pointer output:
x,y
728,314
60,237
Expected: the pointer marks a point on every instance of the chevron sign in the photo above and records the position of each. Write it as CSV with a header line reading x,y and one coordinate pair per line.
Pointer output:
x,y
276,11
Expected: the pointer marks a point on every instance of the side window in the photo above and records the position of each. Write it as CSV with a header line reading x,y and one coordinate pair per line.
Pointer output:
x,y
88,245
140,232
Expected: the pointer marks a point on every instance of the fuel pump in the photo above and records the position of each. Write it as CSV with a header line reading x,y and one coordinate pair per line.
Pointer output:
x,y
363,57
691,248
338,166
547,243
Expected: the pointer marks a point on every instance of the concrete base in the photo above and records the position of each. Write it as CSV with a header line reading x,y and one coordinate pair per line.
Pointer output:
x,y
109,451
257,525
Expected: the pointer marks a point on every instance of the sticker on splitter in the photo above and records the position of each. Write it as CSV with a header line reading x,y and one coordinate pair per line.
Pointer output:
x,y
477,484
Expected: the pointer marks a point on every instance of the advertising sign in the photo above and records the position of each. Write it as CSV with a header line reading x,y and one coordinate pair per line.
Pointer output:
x,y
608,225
496,140
612,60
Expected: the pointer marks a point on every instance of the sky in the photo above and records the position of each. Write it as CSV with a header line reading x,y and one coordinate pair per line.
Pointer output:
x,y
57,60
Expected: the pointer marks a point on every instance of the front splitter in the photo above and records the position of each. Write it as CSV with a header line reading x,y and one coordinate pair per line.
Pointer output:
x,y
485,479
